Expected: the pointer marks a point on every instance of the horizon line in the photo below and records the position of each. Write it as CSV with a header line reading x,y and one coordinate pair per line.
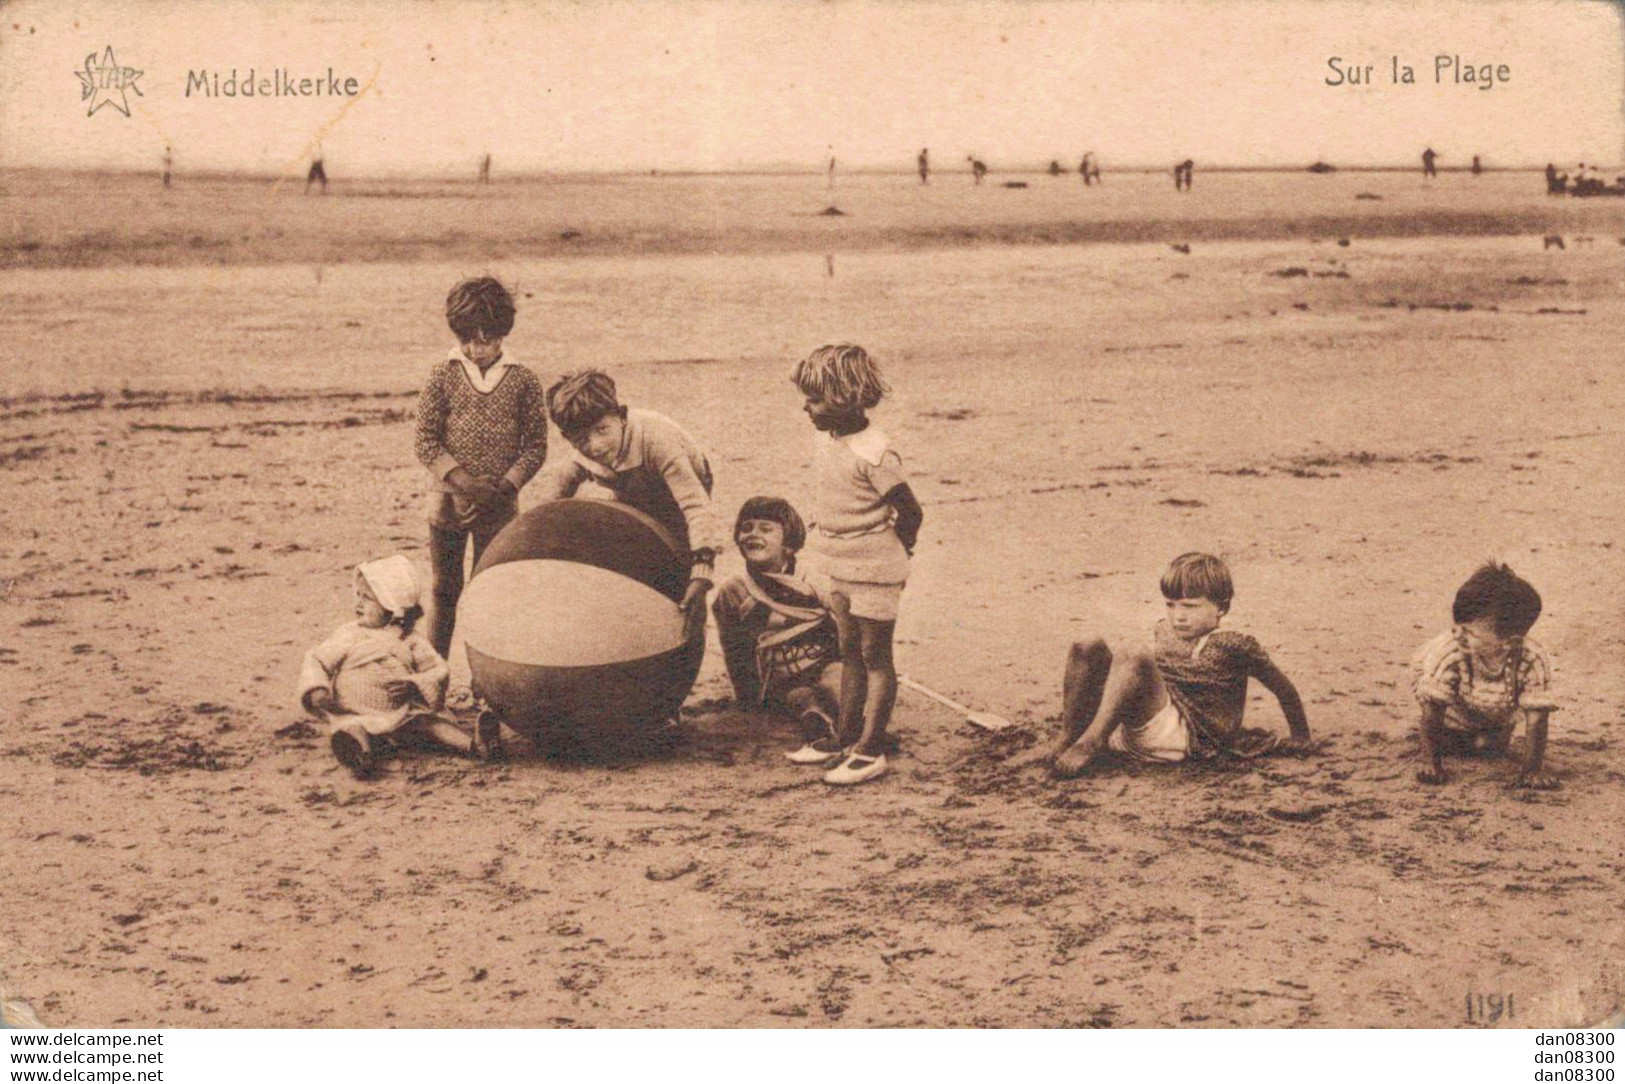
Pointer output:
x,y
767,170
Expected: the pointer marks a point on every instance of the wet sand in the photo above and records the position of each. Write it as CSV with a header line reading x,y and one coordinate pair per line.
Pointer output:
x,y
198,455
101,220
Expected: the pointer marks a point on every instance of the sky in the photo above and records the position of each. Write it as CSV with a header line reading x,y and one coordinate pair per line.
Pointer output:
x,y
606,85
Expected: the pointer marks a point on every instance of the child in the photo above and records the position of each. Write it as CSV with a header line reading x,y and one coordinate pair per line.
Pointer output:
x,y
482,432
1477,680
648,462
1182,701
378,675
778,639
868,521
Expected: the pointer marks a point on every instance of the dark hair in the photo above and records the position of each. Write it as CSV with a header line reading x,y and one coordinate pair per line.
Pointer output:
x,y
578,400
409,620
1497,592
778,510
1198,575
479,308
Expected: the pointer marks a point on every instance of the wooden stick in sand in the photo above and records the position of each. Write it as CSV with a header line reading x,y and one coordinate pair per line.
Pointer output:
x,y
983,719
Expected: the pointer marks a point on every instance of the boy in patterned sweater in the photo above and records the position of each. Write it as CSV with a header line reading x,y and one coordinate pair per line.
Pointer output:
x,y
482,433
1183,700
1477,680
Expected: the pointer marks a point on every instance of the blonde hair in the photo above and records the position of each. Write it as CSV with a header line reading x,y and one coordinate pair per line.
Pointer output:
x,y
844,376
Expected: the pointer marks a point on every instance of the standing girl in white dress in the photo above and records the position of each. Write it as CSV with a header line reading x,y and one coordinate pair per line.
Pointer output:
x,y
867,523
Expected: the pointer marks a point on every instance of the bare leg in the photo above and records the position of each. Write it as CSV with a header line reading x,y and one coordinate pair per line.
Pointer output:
x,y
446,549
1135,696
880,684
854,671
1498,741
816,708
1087,667
435,731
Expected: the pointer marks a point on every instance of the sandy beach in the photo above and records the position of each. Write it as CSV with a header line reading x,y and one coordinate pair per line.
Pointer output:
x,y
102,220
206,423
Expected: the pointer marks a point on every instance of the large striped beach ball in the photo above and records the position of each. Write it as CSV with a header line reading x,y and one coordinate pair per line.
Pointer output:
x,y
572,625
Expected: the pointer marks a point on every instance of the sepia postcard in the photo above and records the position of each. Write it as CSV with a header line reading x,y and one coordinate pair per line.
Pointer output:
x,y
935,514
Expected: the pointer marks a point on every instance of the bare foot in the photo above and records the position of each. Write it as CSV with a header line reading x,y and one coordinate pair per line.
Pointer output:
x,y
1433,777
1075,761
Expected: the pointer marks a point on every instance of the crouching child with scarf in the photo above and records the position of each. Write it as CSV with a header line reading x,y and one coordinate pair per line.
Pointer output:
x,y
778,638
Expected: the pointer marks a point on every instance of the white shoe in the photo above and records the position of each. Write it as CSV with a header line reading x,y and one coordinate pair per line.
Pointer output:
x,y
856,769
460,698
812,754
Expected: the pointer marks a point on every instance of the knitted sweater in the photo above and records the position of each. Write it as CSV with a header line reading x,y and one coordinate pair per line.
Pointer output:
x,y
855,534
661,471
501,433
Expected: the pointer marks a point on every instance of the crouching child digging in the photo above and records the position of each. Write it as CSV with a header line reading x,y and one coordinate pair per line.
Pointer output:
x,y
1477,681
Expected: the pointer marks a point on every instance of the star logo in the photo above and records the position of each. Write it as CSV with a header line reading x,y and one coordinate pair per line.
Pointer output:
x,y
105,83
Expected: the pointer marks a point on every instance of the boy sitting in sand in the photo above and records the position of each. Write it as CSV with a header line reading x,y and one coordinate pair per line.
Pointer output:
x,y
1184,699
1477,680
378,675
648,462
778,638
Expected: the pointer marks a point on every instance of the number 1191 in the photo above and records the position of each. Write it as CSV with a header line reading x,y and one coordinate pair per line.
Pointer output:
x,y
1488,1008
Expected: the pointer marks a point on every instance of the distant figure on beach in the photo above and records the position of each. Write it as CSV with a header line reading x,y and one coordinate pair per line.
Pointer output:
x,y
1087,168
1182,175
317,173
978,168
1054,167
169,165
924,162
1427,163
485,169
1555,184
1588,182
1477,168
832,173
